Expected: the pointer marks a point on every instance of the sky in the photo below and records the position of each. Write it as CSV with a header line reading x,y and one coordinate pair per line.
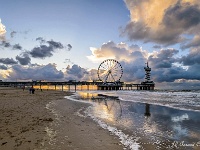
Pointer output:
x,y
60,40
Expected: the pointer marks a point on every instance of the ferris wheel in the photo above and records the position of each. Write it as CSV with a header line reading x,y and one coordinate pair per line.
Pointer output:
x,y
110,70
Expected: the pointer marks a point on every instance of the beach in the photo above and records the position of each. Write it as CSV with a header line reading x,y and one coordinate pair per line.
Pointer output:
x,y
87,120
46,120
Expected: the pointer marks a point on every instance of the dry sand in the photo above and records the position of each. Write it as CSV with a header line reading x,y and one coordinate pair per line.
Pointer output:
x,y
45,120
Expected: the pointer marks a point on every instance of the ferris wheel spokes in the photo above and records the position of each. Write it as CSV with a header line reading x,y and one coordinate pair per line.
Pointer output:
x,y
110,70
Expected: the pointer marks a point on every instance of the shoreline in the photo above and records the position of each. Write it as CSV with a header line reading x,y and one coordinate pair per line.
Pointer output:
x,y
146,123
26,123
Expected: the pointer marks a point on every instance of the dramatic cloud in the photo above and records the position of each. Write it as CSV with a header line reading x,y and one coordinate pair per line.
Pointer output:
x,y
121,52
42,51
2,31
55,45
192,58
195,42
91,75
163,58
75,73
8,61
5,44
167,67
24,59
175,20
44,72
46,48
3,67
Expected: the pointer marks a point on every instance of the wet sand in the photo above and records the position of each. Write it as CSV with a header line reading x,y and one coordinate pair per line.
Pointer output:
x,y
31,121
147,126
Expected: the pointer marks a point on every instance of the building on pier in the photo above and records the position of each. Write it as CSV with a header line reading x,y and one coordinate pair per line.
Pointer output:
x,y
148,80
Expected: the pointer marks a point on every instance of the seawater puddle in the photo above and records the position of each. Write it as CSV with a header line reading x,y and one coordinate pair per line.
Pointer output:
x,y
143,125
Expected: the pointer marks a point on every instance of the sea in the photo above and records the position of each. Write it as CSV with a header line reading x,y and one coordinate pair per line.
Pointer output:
x,y
146,119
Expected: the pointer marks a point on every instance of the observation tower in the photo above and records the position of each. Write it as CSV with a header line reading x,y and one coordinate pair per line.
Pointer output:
x,y
147,81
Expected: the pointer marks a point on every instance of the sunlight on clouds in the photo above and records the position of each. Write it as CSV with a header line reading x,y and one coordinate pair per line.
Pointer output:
x,y
181,66
2,31
5,73
2,28
98,57
163,22
150,12
120,52
186,81
190,1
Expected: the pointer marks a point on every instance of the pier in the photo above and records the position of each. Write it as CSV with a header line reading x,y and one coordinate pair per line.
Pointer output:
x,y
74,86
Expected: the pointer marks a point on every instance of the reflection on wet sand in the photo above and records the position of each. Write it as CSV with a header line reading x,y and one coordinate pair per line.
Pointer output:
x,y
107,107
147,110
157,126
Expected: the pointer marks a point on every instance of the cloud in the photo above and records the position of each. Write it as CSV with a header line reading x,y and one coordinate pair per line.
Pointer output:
x,y
2,30
157,46
41,40
163,58
192,58
120,52
17,47
39,72
167,67
12,34
46,48
195,42
8,61
91,75
69,47
5,44
47,72
176,18
182,16
75,72
3,67
24,59
42,51
55,45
